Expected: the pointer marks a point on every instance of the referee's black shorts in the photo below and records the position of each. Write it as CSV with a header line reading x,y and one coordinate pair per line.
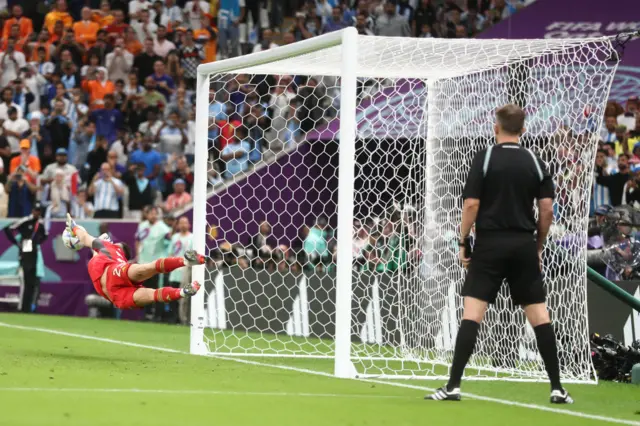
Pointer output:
x,y
505,255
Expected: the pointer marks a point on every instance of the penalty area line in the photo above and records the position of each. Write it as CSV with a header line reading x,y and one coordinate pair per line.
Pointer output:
x,y
320,373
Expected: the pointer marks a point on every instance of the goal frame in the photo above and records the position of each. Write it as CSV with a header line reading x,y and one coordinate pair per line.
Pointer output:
x,y
347,38
348,73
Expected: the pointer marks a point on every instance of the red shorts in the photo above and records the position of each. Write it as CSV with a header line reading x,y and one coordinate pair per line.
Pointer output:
x,y
120,288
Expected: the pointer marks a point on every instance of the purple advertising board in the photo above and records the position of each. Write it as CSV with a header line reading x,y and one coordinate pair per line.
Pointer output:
x,y
586,18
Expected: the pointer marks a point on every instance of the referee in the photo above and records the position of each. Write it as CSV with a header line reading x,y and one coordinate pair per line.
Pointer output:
x,y
502,185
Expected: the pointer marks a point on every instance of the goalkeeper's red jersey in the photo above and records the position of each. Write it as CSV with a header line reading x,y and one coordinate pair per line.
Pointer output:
x,y
107,254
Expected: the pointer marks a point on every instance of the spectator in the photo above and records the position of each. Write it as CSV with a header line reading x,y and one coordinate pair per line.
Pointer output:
x,y
236,154
628,118
135,110
11,61
92,66
76,50
60,96
62,165
112,160
152,126
118,27
141,193
151,159
335,23
172,135
361,25
179,198
41,64
162,46
300,29
59,127
14,32
7,103
23,97
97,86
473,21
191,55
133,87
121,146
59,195
102,47
58,33
81,207
230,13
95,158
259,247
424,14
392,25
119,96
173,68
315,245
181,171
324,9
25,25
119,61
194,10
104,16
616,183
266,43
145,62
143,27
106,191
164,83
21,192
600,195
26,164
171,15
59,13
38,135
13,128
207,38
131,43
70,77
5,155
180,105
107,119
86,30
454,20
137,6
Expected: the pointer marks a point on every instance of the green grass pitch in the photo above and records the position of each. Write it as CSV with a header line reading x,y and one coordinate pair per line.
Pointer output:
x,y
57,379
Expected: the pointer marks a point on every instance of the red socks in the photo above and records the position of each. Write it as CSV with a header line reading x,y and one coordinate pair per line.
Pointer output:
x,y
169,264
166,294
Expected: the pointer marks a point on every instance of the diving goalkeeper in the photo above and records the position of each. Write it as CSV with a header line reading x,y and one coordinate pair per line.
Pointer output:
x,y
121,282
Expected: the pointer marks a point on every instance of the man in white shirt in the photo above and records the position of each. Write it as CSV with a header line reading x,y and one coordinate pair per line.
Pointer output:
x,y
7,103
172,14
14,127
143,27
162,46
266,43
628,118
193,12
119,61
35,83
136,6
106,190
10,63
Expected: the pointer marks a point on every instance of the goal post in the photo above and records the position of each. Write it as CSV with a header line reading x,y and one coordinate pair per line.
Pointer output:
x,y
336,238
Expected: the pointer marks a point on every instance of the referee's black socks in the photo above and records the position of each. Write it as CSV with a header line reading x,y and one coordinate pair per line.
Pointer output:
x,y
548,348
465,343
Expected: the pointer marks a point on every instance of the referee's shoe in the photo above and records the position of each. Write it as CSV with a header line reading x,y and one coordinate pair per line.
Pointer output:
x,y
443,394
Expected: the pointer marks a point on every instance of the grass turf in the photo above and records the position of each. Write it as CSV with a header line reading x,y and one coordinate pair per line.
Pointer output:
x,y
185,389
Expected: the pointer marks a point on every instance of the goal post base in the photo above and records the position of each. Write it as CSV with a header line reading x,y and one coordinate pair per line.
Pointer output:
x,y
344,369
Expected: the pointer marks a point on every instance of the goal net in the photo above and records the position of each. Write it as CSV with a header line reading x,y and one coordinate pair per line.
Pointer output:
x,y
329,176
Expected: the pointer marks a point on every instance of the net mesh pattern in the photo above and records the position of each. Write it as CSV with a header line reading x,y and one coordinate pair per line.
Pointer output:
x,y
424,108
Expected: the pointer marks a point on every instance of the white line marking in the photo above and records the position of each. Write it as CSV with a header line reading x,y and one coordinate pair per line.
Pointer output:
x,y
206,392
320,373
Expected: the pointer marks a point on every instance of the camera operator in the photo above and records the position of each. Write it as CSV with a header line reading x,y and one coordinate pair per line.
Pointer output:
x,y
32,232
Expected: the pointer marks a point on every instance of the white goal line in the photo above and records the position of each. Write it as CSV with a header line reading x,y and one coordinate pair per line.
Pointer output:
x,y
324,374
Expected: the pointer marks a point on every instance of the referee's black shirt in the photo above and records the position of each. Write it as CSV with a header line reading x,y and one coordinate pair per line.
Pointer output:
x,y
507,186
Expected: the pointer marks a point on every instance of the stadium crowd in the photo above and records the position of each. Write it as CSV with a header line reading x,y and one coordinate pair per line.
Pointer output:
x,y
97,102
